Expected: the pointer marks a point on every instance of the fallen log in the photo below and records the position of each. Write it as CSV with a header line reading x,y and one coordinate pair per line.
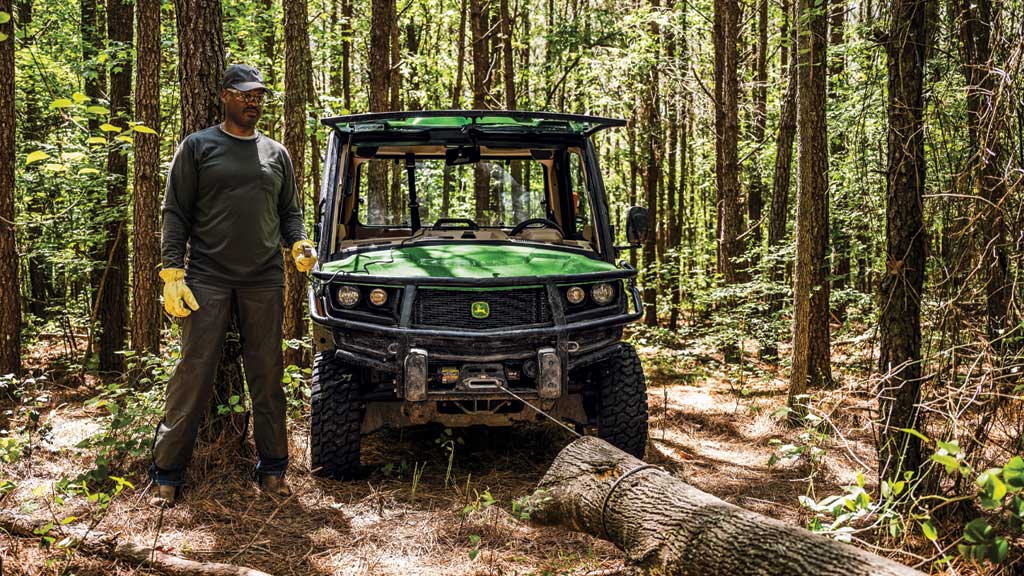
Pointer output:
x,y
667,527
109,545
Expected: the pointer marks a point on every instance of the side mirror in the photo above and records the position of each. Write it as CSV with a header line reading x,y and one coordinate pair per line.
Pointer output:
x,y
462,155
637,225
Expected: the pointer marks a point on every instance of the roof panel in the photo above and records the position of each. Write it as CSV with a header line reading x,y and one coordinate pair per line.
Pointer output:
x,y
483,119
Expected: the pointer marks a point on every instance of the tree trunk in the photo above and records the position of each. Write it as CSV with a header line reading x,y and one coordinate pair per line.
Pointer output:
x,y
478,19
984,125
296,89
93,72
380,78
446,186
668,527
146,312
779,214
671,218
10,304
652,173
112,280
756,190
811,366
200,71
268,47
900,296
727,127
841,253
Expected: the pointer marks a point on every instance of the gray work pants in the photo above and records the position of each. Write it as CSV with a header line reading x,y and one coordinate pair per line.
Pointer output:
x,y
260,314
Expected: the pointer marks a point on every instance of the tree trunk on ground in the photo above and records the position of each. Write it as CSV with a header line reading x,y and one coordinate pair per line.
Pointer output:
x,y
200,71
111,280
146,312
811,368
984,125
900,296
10,308
296,89
380,77
727,129
668,527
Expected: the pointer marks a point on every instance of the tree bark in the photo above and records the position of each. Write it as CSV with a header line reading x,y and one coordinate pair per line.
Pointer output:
x,y
478,19
900,295
268,48
756,190
146,313
10,304
93,72
727,128
668,527
113,294
778,215
296,88
811,366
380,82
651,134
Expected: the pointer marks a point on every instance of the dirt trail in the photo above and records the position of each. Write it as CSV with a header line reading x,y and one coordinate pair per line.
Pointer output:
x,y
706,428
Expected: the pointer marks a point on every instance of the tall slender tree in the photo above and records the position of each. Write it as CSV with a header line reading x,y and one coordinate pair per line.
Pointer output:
x,y
112,275
811,366
727,128
297,69
756,188
146,314
10,304
479,16
93,72
900,297
651,135
380,91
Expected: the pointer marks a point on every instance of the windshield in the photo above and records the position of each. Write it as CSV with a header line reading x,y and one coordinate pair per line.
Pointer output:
x,y
491,193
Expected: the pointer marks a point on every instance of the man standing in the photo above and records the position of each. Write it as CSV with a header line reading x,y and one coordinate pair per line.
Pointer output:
x,y
231,201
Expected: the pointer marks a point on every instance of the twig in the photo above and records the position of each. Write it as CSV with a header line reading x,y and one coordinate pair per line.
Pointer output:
x,y
262,527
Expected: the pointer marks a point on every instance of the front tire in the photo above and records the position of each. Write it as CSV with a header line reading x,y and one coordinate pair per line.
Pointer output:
x,y
622,401
336,418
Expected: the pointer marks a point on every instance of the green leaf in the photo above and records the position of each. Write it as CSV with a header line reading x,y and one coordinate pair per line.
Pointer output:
x,y
143,129
474,553
35,157
949,462
239,408
913,432
61,103
1013,473
109,128
72,156
79,98
234,399
4,17
929,531
100,110
96,140
54,167
977,531
85,171
68,520
3,36
950,447
474,539
124,138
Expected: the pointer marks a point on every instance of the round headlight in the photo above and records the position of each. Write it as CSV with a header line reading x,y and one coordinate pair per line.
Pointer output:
x,y
347,296
602,293
575,295
378,296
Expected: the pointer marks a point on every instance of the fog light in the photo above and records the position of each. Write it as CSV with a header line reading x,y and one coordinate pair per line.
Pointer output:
x,y
347,296
416,375
602,293
549,384
575,295
378,296
449,375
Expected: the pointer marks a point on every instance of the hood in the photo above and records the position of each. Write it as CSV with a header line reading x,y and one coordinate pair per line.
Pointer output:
x,y
467,261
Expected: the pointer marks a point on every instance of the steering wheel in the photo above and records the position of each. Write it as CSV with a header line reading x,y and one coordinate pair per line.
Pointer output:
x,y
446,224
532,223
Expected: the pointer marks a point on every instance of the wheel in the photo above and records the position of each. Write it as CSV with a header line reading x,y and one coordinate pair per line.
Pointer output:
x,y
622,401
336,418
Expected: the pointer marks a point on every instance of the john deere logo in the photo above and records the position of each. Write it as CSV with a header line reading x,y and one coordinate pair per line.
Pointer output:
x,y
480,309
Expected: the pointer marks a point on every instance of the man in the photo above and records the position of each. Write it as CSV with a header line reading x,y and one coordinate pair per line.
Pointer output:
x,y
231,199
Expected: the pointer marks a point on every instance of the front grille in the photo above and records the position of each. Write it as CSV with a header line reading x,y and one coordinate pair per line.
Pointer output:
x,y
509,307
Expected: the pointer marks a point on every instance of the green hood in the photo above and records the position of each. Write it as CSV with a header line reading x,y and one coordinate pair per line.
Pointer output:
x,y
467,261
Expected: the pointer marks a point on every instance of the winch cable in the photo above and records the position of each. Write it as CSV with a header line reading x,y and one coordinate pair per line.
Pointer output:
x,y
539,411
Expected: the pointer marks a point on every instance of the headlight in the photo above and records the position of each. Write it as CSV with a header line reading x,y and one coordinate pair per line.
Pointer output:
x,y
575,295
378,296
347,296
602,293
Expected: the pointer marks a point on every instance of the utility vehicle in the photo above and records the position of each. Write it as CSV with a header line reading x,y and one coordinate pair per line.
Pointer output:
x,y
467,277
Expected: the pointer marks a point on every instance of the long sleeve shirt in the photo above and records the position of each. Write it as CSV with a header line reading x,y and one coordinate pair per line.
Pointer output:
x,y
230,202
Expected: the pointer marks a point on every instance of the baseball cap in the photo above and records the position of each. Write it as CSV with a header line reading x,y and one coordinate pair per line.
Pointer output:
x,y
243,77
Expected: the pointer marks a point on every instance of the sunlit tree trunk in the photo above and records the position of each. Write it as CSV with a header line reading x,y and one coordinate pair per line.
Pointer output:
x,y
899,319
478,17
10,304
651,136
146,312
811,366
730,218
380,91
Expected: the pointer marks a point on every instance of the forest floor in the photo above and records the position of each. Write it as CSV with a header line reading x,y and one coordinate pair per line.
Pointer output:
x,y
713,425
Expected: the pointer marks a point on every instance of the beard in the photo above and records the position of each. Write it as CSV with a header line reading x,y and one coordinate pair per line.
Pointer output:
x,y
242,118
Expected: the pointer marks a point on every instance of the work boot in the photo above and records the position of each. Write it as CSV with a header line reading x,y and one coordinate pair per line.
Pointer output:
x,y
165,496
275,485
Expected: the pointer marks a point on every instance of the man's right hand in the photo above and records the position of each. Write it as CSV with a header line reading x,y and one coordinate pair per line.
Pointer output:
x,y
177,296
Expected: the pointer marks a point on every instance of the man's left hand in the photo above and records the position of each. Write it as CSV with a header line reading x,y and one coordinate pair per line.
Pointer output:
x,y
304,254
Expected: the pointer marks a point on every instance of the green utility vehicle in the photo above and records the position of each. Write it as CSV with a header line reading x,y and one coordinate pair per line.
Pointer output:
x,y
468,277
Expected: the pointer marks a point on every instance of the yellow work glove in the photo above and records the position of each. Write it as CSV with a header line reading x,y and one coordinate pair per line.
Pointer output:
x,y
304,253
175,291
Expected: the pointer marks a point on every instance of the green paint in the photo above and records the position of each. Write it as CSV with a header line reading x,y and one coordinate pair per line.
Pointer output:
x,y
466,261
457,121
